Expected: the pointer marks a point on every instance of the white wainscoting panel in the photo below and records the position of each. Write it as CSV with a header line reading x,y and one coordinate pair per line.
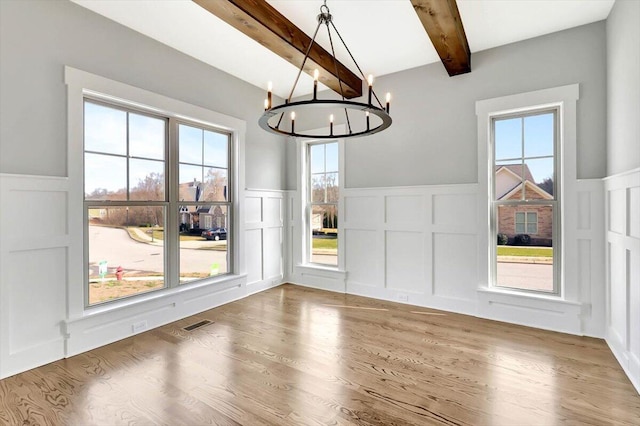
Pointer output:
x,y
617,209
634,212
253,209
291,249
390,251
362,211
450,280
264,230
364,253
406,210
585,254
272,249
618,291
33,256
405,253
253,251
455,210
623,270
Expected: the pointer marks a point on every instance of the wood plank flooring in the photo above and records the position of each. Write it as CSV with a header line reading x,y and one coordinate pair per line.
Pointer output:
x,y
297,356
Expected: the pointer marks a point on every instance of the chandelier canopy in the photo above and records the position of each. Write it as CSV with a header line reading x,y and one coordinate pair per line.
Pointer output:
x,y
361,119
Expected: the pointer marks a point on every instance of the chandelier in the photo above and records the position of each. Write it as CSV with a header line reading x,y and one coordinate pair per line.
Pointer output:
x,y
360,119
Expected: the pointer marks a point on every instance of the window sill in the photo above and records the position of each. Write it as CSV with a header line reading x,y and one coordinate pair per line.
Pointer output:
x,y
496,294
318,269
532,310
160,296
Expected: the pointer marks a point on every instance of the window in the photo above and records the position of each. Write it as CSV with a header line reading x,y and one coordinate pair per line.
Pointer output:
x,y
151,197
526,222
204,201
524,201
322,202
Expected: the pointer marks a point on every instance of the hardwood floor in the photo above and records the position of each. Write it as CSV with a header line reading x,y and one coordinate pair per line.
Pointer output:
x,y
297,356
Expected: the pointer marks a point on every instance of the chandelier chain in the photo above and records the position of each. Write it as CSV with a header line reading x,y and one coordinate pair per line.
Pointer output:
x,y
335,64
354,60
304,61
306,56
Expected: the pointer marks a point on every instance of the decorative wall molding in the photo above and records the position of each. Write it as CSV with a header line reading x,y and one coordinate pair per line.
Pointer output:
x,y
33,280
264,238
622,205
404,244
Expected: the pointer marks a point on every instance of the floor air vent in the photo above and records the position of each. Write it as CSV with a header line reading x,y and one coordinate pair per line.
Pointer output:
x,y
197,325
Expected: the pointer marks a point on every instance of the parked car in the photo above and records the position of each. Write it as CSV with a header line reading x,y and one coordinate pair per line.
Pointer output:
x,y
215,234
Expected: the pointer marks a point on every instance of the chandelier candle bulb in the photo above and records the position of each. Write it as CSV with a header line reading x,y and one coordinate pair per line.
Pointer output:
x,y
370,81
331,124
388,100
316,74
293,122
367,114
269,90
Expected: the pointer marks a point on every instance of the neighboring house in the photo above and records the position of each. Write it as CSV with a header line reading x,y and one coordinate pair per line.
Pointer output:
x,y
535,221
198,217
211,217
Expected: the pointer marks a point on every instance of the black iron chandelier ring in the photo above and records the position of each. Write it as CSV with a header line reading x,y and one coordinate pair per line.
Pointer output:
x,y
273,116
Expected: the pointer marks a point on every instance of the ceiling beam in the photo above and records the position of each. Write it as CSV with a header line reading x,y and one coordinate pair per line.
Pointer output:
x,y
441,20
264,24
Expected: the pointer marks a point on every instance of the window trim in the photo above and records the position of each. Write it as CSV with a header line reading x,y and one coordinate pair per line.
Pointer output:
x,y
555,203
81,84
301,258
565,99
310,204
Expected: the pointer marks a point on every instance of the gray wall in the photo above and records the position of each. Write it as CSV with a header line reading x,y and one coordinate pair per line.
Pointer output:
x,y
433,139
623,87
37,38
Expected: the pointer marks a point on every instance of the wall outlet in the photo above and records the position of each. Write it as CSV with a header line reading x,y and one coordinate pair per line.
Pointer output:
x,y
139,326
403,297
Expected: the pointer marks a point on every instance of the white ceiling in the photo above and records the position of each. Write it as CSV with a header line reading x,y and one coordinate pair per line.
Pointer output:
x,y
385,36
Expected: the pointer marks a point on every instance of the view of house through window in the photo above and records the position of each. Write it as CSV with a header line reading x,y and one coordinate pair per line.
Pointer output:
x,y
323,202
130,188
525,201
204,202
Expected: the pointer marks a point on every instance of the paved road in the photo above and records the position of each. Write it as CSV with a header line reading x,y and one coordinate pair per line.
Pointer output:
x,y
526,275
116,247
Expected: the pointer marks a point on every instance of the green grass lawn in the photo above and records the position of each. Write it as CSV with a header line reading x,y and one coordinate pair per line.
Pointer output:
x,y
325,243
525,251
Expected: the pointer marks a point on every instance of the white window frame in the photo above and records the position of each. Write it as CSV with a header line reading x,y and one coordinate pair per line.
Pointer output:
x,y
301,258
554,203
81,84
310,203
564,99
